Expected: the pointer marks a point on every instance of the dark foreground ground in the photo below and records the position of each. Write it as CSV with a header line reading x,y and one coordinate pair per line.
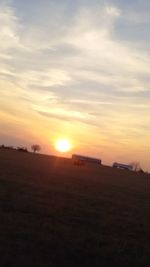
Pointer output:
x,y
55,214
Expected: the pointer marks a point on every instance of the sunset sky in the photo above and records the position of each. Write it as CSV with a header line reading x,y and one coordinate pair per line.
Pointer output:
x,y
80,70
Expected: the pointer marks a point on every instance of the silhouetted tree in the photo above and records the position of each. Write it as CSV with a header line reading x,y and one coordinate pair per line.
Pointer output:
x,y
141,170
35,148
2,146
136,166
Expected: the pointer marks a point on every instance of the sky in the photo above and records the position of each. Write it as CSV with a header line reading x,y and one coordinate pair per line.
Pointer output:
x,y
78,70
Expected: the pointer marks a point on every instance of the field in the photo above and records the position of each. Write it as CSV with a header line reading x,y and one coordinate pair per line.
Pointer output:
x,y
53,213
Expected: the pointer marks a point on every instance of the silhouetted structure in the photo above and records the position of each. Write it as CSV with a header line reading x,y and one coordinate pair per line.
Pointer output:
x,y
81,160
122,166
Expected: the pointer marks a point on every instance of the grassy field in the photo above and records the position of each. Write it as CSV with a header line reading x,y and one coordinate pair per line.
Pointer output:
x,y
53,213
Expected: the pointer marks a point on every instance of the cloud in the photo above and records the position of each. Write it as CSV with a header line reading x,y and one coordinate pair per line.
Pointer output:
x,y
112,11
63,113
105,60
48,78
9,27
116,64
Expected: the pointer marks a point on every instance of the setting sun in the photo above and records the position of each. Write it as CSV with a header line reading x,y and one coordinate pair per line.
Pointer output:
x,y
63,145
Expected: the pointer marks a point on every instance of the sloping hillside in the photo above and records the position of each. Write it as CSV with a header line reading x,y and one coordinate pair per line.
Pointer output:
x,y
53,213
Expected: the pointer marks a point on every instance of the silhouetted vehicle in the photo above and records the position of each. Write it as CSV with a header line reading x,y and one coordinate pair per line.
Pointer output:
x,y
122,166
81,160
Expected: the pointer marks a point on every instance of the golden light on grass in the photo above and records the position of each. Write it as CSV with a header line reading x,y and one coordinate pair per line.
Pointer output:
x,y
63,145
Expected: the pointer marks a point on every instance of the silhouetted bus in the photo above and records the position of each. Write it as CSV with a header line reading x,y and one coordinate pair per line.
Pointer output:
x,y
122,166
81,160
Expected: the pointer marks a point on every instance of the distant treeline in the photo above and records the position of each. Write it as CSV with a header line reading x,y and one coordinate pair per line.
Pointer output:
x,y
22,149
34,148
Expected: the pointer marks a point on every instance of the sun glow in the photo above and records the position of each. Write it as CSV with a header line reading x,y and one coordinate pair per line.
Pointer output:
x,y
63,145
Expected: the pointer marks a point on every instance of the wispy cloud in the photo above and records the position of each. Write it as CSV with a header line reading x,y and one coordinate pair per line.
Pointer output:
x,y
9,27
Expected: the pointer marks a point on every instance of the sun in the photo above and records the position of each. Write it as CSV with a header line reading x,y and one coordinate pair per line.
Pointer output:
x,y
63,145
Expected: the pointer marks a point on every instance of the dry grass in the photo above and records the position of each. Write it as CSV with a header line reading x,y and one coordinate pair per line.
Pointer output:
x,y
53,213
